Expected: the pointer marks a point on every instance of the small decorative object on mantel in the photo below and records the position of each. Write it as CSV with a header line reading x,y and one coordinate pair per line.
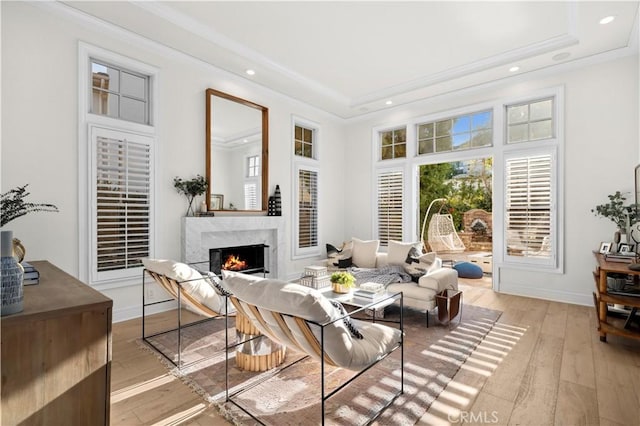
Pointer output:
x,y
275,203
191,189
620,214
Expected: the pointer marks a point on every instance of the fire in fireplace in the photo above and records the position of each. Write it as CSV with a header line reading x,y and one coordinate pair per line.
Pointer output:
x,y
249,259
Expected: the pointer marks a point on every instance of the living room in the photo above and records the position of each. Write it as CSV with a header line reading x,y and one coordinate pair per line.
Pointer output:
x,y
45,136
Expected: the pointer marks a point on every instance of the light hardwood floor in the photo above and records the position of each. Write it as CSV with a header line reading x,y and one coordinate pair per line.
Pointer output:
x,y
543,364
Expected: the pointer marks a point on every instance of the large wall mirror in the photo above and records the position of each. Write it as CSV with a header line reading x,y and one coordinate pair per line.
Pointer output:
x,y
237,153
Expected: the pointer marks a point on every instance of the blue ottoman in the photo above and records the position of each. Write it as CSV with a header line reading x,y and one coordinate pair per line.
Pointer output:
x,y
468,270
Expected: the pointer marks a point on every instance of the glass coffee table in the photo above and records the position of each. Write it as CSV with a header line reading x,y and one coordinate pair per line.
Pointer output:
x,y
376,305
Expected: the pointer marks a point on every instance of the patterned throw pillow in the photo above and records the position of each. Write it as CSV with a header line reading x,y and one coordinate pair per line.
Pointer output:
x,y
217,283
417,263
340,257
355,333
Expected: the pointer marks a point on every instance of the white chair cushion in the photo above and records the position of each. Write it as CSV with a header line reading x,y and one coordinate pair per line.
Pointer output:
x,y
191,281
364,253
309,304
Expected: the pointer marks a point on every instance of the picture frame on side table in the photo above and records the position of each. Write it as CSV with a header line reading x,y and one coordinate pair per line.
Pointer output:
x,y
625,248
605,247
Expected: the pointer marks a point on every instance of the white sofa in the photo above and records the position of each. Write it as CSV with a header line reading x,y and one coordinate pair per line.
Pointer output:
x,y
420,295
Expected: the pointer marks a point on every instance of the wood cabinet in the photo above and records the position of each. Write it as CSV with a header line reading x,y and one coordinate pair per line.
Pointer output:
x,y
56,354
606,325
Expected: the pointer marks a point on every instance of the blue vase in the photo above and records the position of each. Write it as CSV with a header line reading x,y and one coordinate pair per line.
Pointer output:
x,y
12,273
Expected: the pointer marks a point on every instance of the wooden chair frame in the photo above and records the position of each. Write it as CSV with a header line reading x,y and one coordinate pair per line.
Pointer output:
x,y
176,290
318,348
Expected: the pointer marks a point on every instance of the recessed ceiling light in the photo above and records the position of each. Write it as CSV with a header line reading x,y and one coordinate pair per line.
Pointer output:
x,y
250,72
389,102
561,56
514,69
607,19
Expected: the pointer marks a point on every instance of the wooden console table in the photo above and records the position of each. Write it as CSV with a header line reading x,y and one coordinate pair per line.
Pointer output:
x,y
56,354
602,297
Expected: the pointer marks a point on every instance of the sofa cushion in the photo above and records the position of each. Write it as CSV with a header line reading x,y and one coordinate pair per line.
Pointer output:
x,y
340,257
399,251
192,281
309,304
364,253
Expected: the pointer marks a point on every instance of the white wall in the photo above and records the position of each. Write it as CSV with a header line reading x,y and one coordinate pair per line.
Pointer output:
x,y
40,142
601,151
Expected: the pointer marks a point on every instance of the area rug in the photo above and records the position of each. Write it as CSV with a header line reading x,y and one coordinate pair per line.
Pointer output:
x,y
432,356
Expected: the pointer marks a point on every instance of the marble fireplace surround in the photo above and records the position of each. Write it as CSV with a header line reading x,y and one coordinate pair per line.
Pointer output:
x,y
199,234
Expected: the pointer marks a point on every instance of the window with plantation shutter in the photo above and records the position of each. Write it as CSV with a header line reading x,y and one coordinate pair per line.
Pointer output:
x,y
122,203
306,212
307,208
390,189
529,208
250,196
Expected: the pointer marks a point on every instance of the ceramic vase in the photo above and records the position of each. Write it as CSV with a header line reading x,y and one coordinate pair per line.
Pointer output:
x,y
12,273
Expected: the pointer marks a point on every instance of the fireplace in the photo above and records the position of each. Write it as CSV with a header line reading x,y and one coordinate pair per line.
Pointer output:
x,y
249,259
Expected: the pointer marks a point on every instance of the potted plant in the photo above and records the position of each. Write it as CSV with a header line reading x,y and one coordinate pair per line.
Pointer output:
x,y
191,188
342,282
619,213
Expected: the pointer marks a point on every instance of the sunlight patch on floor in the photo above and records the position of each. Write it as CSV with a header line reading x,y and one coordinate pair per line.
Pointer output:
x,y
182,416
138,388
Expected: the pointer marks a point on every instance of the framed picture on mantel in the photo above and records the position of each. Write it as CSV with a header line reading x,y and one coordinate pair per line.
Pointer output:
x,y
217,201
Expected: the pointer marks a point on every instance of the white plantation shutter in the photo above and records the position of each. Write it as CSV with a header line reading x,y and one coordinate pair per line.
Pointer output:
x,y
250,196
122,203
529,219
390,189
307,208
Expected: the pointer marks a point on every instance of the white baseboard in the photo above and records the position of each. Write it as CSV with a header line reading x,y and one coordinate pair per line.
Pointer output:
x,y
132,312
546,294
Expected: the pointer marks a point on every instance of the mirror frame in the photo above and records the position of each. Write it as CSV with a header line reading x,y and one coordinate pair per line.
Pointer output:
x,y
265,145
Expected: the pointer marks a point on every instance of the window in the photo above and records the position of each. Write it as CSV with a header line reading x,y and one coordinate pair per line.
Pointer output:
x,y
529,200
253,166
116,161
458,133
122,190
304,141
393,144
250,196
252,182
307,212
530,121
390,186
119,93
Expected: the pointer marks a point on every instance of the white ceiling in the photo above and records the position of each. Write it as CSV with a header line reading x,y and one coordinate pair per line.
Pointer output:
x,y
350,58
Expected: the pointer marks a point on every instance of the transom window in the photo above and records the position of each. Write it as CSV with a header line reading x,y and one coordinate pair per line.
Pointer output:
x,y
457,133
531,121
253,166
393,144
303,141
119,93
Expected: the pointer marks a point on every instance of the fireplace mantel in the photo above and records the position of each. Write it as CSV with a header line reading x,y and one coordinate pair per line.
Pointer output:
x,y
199,234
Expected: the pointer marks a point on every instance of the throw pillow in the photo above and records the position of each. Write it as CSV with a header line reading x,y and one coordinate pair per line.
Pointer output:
x,y
397,252
420,264
355,333
340,257
364,253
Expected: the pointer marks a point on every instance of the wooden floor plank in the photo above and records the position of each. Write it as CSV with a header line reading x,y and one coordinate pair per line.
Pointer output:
x,y
577,357
537,396
576,405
